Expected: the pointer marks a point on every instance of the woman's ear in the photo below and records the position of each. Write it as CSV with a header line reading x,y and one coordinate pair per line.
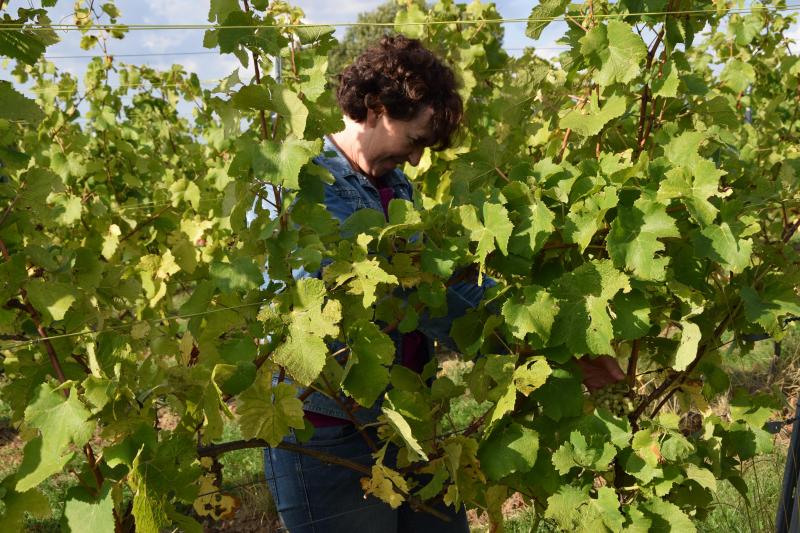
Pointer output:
x,y
372,118
374,109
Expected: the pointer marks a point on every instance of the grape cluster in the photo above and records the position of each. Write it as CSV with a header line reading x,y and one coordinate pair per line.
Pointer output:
x,y
615,398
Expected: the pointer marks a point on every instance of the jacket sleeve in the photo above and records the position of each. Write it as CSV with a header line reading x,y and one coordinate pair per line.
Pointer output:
x,y
461,297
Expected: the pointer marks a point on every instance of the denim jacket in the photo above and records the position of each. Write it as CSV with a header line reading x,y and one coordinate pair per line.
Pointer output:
x,y
350,192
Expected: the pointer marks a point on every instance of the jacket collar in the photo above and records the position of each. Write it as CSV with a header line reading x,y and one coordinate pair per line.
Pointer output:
x,y
338,165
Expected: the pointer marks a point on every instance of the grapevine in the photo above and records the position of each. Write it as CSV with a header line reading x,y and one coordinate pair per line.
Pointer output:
x,y
635,197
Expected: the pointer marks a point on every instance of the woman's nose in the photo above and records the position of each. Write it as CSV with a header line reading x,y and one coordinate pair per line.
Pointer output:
x,y
415,156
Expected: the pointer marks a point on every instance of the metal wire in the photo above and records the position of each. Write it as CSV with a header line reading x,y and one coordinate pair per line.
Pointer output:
x,y
149,54
326,25
143,85
206,52
127,325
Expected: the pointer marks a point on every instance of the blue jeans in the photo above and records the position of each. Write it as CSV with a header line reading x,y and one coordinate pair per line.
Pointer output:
x,y
315,497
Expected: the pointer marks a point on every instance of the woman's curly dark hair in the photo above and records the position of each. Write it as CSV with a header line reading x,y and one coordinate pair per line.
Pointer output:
x,y
400,75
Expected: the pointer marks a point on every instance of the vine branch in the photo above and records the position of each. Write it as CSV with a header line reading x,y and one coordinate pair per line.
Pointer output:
x,y
55,363
262,116
643,131
215,450
630,376
350,414
790,231
568,132
152,218
11,205
679,377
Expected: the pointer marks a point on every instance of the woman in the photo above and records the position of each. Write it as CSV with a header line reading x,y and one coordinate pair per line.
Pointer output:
x,y
397,98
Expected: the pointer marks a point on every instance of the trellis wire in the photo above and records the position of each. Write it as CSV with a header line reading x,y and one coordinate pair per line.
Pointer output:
x,y
325,26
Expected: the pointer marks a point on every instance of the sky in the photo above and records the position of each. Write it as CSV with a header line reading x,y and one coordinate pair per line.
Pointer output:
x,y
210,65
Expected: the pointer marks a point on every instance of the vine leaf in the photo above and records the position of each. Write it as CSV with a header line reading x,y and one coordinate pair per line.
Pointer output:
x,y
591,122
777,300
61,422
384,485
592,454
719,244
239,274
400,425
531,375
18,504
267,412
703,476
694,184
531,313
15,105
683,150
616,50
287,158
666,84
583,321
213,503
362,277
738,75
287,104
52,299
666,516
632,312
607,506
542,14
366,373
273,162
508,450
83,515
494,231
687,349
633,241
149,510
754,409
566,507
645,445
533,225
302,354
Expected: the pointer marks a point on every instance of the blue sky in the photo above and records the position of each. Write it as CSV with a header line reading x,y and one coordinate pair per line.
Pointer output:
x,y
212,66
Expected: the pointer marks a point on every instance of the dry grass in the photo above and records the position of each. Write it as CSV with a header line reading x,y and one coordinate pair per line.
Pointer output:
x,y
256,513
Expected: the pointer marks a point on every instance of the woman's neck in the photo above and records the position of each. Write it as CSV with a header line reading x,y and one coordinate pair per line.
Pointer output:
x,y
345,141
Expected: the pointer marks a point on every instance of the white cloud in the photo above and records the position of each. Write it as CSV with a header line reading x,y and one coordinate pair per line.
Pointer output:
x,y
339,11
223,64
160,42
176,12
794,34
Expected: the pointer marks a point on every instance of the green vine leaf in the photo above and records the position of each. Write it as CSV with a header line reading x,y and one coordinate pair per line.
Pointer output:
x,y
616,50
596,117
61,422
268,412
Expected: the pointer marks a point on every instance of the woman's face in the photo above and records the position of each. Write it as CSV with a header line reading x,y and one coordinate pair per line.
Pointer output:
x,y
386,143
